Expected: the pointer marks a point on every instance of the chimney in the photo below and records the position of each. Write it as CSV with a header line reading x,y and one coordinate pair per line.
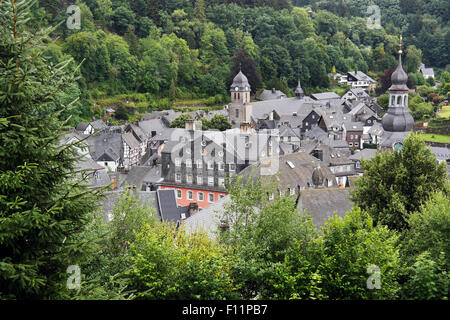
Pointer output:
x,y
245,127
189,124
113,183
193,208
271,115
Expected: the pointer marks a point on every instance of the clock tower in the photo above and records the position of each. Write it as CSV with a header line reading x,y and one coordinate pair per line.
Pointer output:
x,y
240,108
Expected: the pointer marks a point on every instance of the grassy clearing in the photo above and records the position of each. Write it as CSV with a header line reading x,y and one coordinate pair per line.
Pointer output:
x,y
445,112
435,137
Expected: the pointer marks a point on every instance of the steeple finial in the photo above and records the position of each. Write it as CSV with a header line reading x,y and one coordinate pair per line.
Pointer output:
x,y
401,46
240,66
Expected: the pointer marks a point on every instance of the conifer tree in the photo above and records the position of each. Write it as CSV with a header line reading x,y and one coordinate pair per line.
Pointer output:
x,y
44,201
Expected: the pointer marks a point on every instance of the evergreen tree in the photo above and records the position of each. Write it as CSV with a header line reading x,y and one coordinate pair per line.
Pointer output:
x,y
44,204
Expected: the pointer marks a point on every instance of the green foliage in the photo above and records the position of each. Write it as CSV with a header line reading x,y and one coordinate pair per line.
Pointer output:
x,y
350,246
217,122
395,184
44,204
179,122
171,264
260,233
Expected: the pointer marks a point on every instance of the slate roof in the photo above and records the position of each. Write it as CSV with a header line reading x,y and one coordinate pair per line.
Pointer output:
x,y
130,140
361,76
105,147
98,125
286,176
353,126
367,154
208,219
315,132
168,209
286,106
321,204
139,175
111,197
82,126
271,95
325,96
442,154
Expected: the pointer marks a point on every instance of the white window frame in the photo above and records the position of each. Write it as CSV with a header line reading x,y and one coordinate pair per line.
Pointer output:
x,y
181,193
209,200
211,181
210,165
200,180
189,178
192,195
221,166
199,164
178,174
232,167
200,197
177,162
188,163
221,182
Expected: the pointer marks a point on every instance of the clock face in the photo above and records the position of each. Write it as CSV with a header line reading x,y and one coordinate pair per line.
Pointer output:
x,y
398,146
246,88
236,89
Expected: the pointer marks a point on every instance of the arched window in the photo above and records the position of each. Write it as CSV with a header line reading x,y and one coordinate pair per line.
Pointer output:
x,y
404,100
399,100
239,96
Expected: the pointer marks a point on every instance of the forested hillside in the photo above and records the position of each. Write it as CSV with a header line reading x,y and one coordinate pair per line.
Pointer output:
x,y
190,49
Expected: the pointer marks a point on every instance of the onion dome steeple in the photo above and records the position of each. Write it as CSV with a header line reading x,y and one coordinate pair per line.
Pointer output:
x,y
397,122
299,93
399,78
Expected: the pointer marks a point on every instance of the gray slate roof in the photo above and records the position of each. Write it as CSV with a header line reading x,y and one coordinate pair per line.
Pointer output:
x,y
271,95
321,204
208,219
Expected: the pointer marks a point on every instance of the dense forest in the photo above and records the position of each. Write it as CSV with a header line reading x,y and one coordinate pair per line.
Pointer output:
x,y
185,49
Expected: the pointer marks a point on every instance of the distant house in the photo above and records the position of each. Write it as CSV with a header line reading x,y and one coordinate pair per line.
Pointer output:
x,y
131,150
355,94
294,172
84,128
365,154
359,79
106,149
353,134
91,127
270,95
426,72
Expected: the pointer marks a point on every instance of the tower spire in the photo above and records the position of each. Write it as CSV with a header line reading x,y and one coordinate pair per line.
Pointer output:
x,y
400,51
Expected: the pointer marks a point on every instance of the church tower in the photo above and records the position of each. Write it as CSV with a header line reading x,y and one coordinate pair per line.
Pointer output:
x,y
397,122
240,107
299,91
